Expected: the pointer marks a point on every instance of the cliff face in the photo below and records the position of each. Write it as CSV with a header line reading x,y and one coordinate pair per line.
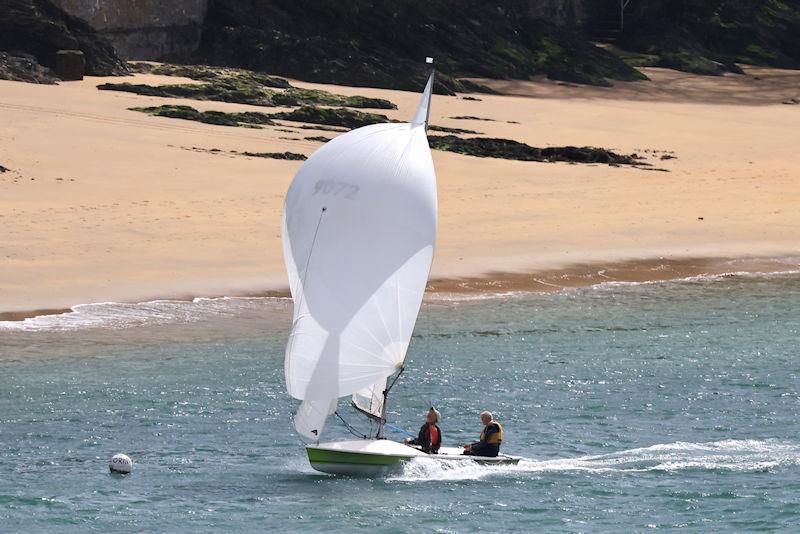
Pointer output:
x,y
383,43
144,29
559,12
40,28
711,36
155,29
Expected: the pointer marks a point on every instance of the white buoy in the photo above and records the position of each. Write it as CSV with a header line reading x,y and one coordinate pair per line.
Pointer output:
x,y
120,463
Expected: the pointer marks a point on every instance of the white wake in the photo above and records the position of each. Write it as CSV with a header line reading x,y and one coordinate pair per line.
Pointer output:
x,y
126,315
727,455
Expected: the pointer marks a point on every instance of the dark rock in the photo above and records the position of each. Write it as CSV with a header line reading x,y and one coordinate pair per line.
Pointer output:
x,y
217,91
330,119
383,43
239,86
471,118
143,29
24,68
318,138
3,169
275,155
468,86
70,64
296,97
712,36
343,117
471,98
212,74
326,116
320,127
508,149
474,146
40,28
250,118
445,129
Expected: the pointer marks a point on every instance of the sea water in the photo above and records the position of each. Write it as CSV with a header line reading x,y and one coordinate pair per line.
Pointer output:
x,y
636,407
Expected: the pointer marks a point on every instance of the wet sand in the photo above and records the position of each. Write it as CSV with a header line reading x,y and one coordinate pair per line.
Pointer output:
x,y
586,275
106,204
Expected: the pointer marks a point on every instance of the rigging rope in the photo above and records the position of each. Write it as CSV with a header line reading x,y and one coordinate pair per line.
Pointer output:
x,y
349,427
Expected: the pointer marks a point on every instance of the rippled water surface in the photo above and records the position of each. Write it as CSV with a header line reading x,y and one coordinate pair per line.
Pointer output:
x,y
637,407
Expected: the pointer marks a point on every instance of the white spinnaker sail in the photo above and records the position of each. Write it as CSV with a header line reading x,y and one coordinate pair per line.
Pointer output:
x,y
359,229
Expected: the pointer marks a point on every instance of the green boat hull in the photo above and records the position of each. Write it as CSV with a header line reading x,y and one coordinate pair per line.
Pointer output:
x,y
375,458
354,463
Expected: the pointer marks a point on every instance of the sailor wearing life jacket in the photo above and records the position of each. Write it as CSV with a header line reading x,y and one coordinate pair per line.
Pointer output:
x,y
430,435
491,438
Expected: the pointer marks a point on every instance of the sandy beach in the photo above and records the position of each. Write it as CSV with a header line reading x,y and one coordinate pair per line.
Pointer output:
x,y
105,204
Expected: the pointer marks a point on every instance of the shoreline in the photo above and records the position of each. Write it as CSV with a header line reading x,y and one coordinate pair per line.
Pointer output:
x,y
575,276
116,210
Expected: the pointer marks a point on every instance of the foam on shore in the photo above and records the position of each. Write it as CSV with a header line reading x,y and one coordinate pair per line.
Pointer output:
x,y
499,286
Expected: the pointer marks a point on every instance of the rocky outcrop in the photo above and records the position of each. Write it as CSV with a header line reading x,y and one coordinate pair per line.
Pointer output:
x,y
24,68
155,29
485,147
711,36
382,43
559,12
41,29
144,29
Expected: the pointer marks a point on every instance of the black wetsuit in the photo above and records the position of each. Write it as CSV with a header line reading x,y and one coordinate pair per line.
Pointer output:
x,y
489,444
424,439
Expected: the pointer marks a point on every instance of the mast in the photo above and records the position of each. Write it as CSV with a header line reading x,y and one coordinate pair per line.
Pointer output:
x,y
424,108
382,420
429,60
423,112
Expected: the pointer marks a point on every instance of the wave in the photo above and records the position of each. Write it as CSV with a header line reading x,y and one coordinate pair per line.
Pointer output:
x,y
716,277
726,455
127,315
780,268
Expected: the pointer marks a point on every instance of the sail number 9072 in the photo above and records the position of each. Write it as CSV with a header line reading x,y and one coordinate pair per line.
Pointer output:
x,y
335,188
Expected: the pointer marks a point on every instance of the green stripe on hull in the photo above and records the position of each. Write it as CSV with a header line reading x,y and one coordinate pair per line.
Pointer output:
x,y
327,456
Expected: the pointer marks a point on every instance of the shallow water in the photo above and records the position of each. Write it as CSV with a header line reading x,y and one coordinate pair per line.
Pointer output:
x,y
636,407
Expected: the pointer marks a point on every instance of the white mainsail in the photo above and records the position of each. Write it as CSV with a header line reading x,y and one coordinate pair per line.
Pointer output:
x,y
370,399
359,228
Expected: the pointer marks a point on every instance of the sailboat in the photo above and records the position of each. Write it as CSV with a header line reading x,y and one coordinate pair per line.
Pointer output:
x,y
359,231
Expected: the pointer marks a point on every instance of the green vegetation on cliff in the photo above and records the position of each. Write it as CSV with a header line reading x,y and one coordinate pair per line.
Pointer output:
x,y
382,43
711,36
